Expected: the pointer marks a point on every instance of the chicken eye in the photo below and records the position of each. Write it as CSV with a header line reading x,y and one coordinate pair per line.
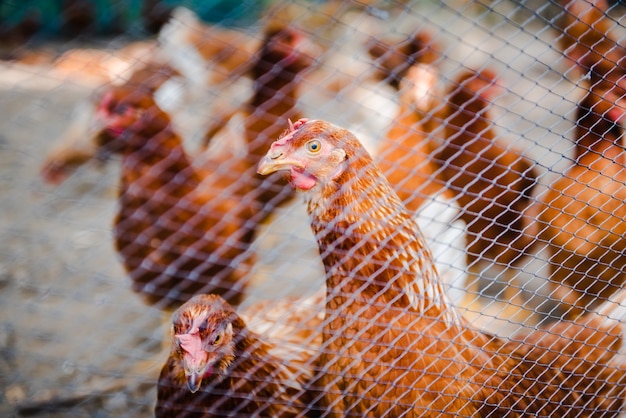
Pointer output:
x,y
121,109
314,146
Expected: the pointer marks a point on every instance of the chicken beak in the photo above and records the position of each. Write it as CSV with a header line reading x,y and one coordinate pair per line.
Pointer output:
x,y
194,379
195,371
274,161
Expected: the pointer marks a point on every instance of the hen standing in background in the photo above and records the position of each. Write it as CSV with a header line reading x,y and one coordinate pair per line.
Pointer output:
x,y
285,54
405,152
179,230
586,35
183,229
218,367
583,214
392,344
491,181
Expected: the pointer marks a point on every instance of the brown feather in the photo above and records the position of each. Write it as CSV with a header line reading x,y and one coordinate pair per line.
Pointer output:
x,y
586,37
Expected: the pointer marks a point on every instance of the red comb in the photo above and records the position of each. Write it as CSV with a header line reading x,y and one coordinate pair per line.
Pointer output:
x,y
288,133
294,126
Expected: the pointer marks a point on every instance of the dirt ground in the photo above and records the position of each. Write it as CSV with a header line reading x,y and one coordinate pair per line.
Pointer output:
x,y
74,340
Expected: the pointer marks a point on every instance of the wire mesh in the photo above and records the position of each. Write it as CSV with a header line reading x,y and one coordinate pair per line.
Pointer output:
x,y
514,176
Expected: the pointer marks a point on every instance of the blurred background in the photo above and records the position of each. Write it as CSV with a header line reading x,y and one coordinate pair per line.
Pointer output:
x,y
75,339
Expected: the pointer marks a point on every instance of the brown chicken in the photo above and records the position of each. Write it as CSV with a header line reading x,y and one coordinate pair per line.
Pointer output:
x,y
180,230
404,152
392,343
586,35
583,214
491,180
218,367
285,54
183,230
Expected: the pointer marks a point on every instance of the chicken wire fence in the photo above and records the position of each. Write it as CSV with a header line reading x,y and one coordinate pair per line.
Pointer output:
x,y
79,338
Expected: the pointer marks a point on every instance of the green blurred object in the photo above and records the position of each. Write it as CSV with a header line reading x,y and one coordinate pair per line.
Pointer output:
x,y
225,12
107,17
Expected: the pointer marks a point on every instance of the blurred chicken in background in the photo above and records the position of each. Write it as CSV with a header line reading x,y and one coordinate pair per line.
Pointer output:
x,y
583,213
410,65
492,183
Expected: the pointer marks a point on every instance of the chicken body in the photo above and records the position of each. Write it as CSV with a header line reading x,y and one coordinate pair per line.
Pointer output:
x,y
179,230
492,183
583,213
185,227
392,343
285,54
218,367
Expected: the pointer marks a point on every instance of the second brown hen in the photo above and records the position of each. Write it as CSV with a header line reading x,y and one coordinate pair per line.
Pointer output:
x,y
583,212
492,181
219,367
179,230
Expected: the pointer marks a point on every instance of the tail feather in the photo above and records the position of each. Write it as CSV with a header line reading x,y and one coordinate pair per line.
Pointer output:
x,y
175,39
74,147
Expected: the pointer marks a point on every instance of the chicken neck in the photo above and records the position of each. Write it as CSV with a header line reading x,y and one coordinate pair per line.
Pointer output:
x,y
371,247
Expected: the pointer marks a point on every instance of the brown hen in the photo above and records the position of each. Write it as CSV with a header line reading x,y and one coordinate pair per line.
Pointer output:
x,y
491,180
392,344
179,230
587,37
285,54
218,367
404,152
583,213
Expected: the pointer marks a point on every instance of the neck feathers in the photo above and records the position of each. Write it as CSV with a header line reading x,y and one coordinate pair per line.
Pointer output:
x,y
161,162
371,244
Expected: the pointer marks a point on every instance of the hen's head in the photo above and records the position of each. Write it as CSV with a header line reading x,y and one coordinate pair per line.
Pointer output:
x,y
393,58
204,331
314,153
285,51
127,117
603,109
